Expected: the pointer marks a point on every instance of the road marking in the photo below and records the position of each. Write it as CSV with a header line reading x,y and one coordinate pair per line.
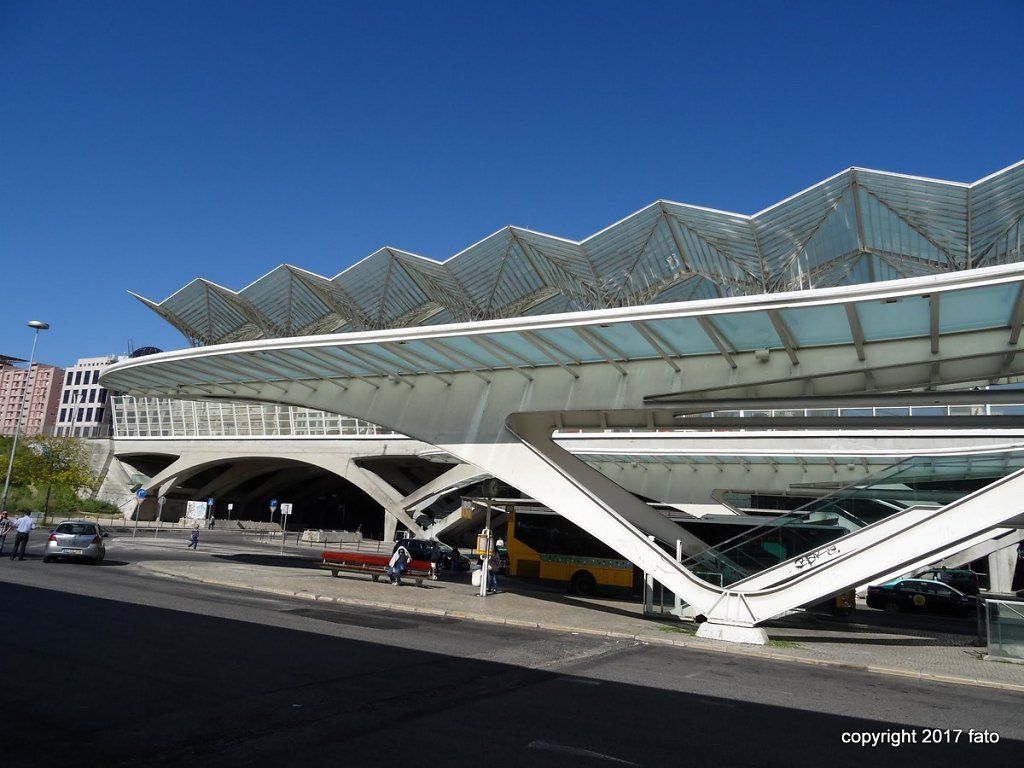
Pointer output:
x,y
576,751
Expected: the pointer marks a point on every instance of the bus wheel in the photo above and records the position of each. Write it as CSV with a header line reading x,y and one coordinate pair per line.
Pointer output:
x,y
582,583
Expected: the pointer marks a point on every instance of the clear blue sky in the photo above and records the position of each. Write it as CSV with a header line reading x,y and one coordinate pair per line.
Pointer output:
x,y
144,144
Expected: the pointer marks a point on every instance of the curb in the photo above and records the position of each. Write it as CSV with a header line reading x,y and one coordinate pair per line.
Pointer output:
x,y
687,642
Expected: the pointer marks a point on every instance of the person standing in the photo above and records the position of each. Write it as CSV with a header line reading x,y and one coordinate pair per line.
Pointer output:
x,y
453,562
493,564
194,541
435,560
23,525
5,528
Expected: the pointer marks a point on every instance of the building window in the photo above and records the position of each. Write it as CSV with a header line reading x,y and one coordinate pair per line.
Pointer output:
x,y
78,377
92,395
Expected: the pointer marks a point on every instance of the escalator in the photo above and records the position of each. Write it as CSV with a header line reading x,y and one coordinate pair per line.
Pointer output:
x,y
918,484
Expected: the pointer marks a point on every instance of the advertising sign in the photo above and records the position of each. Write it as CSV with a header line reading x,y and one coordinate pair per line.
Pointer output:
x,y
195,510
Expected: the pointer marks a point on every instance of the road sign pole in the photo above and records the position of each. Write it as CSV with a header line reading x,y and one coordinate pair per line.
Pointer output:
x,y
286,510
140,496
160,501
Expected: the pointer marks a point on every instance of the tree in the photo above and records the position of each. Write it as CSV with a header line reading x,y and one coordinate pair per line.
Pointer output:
x,y
58,468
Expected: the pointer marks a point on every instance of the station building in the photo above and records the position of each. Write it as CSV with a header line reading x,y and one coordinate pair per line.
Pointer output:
x,y
868,287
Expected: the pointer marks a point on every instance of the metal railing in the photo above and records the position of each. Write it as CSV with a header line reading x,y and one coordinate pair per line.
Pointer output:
x,y
155,417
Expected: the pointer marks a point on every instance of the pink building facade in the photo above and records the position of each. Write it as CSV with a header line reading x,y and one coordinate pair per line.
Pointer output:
x,y
43,384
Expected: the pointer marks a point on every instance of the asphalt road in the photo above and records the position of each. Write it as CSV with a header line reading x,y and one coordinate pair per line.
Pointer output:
x,y
108,666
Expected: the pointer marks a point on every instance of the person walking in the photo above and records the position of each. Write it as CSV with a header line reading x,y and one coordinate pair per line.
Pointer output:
x,y
5,527
194,541
23,525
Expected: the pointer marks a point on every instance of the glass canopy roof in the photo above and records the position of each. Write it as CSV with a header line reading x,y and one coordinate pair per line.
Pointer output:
x,y
858,226
849,319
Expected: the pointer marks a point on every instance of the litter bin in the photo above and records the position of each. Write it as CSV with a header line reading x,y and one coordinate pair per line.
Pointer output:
x,y
844,603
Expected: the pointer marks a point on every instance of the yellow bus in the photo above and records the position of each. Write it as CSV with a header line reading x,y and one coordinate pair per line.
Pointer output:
x,y
546,546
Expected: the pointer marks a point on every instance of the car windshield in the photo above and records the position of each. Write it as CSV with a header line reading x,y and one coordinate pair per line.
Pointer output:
x,y
76,529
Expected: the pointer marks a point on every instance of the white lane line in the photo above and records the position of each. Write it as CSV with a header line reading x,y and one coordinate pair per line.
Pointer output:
x,y
576,751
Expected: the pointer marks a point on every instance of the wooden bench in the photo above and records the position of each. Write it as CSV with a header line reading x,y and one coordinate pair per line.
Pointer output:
x,y
373,565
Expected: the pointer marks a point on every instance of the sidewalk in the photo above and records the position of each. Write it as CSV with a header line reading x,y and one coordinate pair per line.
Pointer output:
x,y
949,658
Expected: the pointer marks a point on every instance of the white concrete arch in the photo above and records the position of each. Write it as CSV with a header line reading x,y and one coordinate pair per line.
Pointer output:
x,y
340,458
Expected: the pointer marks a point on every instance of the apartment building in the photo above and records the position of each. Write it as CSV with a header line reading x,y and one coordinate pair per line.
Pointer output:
x,y
31,396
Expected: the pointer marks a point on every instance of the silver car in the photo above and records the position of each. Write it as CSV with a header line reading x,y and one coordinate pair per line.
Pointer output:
x,y
79,539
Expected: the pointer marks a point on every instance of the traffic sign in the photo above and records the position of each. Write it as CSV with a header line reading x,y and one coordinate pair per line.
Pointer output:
x,y
273,504
140,494
286,508
209,502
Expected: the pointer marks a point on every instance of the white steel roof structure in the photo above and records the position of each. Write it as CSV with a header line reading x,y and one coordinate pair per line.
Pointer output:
x,y
858,226
492,393
833,341
865,283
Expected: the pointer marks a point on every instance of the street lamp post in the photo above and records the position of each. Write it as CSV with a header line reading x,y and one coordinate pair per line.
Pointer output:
x,y
37,326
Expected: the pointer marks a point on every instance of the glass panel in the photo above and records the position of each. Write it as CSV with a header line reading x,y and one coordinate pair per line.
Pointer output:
x,y
475,353
902,411
748,330
684,334
855,411
986,307
814,326
1004,621
901,318
569,342
624,338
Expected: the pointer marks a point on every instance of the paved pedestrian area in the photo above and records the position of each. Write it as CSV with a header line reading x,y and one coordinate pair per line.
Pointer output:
x,y
849,643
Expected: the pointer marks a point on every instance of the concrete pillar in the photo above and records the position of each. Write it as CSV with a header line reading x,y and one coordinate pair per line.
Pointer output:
x,y
1001,565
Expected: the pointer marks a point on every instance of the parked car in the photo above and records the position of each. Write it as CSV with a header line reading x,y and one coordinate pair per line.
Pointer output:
x,y
924,595
420,550
965,580
76,539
